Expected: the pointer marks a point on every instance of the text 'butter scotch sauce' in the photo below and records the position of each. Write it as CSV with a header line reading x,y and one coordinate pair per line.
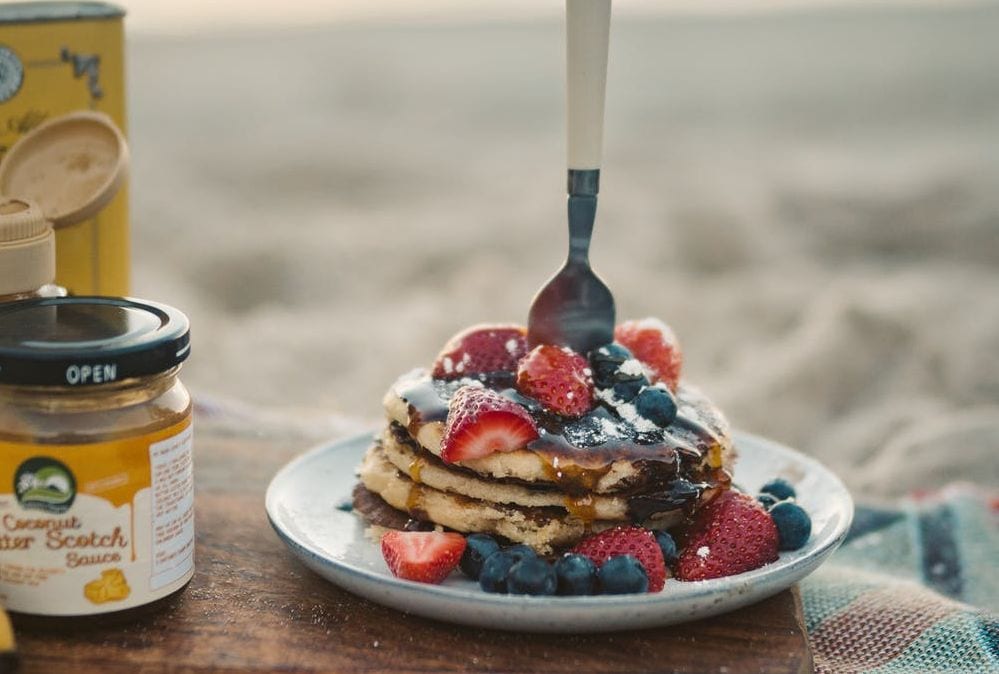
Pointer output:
x,y
96,473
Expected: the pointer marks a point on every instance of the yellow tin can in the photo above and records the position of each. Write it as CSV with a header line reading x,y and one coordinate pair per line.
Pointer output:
x,y
57,58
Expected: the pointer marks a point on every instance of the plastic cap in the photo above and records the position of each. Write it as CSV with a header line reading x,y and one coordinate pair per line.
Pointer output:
x,y
27,247
71,166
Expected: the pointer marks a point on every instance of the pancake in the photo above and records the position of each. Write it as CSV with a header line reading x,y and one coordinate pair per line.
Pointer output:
x,y
423,467
546,529
580,475
596,454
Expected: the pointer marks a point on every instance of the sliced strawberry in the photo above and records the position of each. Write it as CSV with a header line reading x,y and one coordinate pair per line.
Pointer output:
x,y
638,542
654,344
423,556
481,422
733,534
480,349
557,377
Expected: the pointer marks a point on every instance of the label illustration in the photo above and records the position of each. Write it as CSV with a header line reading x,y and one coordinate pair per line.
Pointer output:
x,y
100,527
45,484
111,586
11,73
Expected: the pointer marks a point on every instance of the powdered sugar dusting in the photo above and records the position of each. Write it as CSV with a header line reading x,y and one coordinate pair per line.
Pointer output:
x,y
630,414
610,428
511,346
652,323
703,551
632,367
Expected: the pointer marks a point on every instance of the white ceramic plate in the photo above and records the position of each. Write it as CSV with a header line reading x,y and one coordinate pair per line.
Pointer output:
x,y
302,504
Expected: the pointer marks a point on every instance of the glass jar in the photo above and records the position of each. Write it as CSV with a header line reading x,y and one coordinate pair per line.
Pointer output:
x,y
96,474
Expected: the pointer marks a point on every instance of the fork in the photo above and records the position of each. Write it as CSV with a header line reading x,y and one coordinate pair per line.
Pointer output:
x,y
575,308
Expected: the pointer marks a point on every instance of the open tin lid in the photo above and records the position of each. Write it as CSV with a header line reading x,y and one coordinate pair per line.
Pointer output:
x,y
71,166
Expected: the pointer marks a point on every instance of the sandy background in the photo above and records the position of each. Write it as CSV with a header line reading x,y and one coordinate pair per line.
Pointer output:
x,y
810,199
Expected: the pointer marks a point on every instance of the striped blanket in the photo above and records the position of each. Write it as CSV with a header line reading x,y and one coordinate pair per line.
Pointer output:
x,y
913,590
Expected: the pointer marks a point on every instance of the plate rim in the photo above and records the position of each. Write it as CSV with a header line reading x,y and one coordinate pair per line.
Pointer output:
x,y
691,590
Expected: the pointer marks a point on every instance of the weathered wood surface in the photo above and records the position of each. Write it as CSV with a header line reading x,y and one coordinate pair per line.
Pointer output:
x,y
253,608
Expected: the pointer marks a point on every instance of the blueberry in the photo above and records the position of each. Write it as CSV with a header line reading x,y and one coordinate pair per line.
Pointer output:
x,y
779,488
627,390
531,575
668,546
657,405
518,552
768,501
577,575
494,572
610,353
794,526
605,361
478,547
623,575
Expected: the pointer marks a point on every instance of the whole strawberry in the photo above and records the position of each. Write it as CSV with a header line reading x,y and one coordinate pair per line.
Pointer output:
x,y
481,422
481,349
557,377
654,344
638,542
423,556
733,534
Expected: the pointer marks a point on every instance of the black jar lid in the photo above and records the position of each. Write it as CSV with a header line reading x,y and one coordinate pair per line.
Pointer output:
x,y
88,341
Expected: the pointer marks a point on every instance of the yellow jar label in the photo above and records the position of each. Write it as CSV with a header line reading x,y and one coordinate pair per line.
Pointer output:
x,y
99,527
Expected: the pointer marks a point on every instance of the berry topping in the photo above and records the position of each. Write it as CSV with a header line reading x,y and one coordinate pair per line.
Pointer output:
x,y
623,575
638,542
627,390
779,488
531,575
733,534
657,405
478,547
521,551
423,556
494,572
605,361
577,575
481,349
559,378
768,501
668,545
481,422
654,343
794,526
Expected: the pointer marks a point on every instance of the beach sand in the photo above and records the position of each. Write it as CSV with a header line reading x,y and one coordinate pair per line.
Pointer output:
x,y
810,199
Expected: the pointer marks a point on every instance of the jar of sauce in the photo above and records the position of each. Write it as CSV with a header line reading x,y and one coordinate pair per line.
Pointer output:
x,y
96,473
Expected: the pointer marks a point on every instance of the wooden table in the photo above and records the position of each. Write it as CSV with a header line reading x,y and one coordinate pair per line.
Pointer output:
x,y
252,607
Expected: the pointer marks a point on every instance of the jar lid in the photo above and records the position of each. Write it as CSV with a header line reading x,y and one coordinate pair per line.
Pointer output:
x,y
27,247
87,341
72,166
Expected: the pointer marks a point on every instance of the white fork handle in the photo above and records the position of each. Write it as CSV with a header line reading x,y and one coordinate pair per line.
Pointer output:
x,y
587,34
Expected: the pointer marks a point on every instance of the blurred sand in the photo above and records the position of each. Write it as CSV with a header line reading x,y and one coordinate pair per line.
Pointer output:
x,y
812,200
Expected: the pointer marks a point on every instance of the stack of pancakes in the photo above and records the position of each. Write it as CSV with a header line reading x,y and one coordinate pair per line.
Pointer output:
x,y
578,477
